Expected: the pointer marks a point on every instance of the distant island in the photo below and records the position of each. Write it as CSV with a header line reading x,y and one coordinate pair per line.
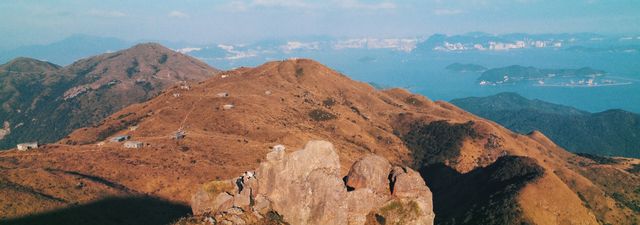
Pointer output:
x,y
515,74
463,68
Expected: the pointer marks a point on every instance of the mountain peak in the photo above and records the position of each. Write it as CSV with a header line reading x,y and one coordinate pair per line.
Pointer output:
x,y
299,67
24,64
150,50
510,95
299,62
305,72
149,46
146,59
91,88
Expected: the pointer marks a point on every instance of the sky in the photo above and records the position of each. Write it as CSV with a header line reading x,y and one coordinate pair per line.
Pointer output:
x,y
25,22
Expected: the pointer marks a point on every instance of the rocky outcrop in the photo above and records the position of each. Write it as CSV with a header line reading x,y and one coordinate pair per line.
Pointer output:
x,y
5,130
371,172
304,187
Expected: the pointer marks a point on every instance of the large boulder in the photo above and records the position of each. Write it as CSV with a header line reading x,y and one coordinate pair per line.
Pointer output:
x,y
412,200
405,211
212,196
304,187
408,183
371,171
361,202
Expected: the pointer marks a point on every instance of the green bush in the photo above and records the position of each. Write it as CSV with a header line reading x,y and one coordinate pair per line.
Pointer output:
x,y
321,115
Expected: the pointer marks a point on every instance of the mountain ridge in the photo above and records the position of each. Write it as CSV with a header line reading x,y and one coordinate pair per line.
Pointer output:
x,y
611,132
43,97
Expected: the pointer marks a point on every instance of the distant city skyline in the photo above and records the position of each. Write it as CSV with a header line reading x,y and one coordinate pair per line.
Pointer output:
x,y
29,22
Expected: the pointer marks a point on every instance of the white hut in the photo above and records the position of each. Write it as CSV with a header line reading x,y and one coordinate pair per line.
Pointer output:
x,y
133,144
27,146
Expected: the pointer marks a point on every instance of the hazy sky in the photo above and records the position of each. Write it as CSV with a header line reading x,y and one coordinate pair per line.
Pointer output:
x,y
234,21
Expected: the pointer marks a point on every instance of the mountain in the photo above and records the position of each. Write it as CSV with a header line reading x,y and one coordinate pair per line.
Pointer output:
x,y
612,132
44,102
198,138
66,51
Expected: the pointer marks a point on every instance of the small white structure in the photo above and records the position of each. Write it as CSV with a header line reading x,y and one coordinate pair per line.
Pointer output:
x,y
227,106
222,94
175,95
224,76
248,174
27,146
267,92
179,135
184,85
133,144
279,148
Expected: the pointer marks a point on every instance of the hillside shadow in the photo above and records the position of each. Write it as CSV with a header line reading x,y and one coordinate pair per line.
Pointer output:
x,y
482,196
110,211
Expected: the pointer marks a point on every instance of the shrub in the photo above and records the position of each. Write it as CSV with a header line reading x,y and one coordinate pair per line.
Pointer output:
x,y
599,159
299,72
413,101
163,59
214,188
133,69
321,115
329,102
634,169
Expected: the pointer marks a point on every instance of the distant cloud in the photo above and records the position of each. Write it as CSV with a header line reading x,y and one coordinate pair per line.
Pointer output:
x,y
447,12
106,13
281,3
177,14
356,4
244,5
235,6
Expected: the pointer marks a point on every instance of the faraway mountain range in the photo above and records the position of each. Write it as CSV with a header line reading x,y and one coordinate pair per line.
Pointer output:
x,y
418,63
70,49
231,146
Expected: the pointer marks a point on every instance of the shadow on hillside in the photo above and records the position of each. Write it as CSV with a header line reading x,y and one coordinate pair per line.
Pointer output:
x,y
482,196
115,210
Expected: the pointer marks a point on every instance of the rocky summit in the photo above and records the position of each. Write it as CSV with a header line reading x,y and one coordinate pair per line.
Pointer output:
x,y
305,187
